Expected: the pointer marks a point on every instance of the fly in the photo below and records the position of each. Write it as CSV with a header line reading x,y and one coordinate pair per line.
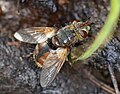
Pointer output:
x,y
53,46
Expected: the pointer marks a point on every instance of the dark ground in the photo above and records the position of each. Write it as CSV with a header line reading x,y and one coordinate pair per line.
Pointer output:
x,y
20,75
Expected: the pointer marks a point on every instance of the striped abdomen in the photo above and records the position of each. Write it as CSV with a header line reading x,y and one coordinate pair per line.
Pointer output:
x,y
41,53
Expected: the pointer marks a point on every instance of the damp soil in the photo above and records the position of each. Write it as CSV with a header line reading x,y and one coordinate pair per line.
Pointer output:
x,y
18,72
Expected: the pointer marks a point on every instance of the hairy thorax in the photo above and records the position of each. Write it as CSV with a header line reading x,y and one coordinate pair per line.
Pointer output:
x,y
64,37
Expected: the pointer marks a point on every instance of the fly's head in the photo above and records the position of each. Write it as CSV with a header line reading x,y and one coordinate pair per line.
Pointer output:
x,y
81,29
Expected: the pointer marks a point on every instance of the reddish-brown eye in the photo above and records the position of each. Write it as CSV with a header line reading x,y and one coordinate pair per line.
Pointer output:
x,y
83,33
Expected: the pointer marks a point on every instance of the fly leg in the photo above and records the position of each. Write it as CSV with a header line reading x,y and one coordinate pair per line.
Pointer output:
x,y
69,59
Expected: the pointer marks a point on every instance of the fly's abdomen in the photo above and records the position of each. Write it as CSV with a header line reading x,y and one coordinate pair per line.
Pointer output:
x,y
64,37
40,54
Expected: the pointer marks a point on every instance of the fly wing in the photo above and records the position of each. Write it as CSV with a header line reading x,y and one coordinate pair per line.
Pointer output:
x,y
35,34
52,65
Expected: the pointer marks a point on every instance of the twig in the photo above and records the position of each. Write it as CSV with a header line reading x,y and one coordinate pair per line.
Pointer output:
x,y
113,78
99,83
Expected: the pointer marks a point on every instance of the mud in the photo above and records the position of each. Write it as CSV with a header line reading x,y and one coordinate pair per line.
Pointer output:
x,y
18,71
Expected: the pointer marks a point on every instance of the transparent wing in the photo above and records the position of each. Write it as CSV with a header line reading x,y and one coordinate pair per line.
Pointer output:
x,y
35,34
52,65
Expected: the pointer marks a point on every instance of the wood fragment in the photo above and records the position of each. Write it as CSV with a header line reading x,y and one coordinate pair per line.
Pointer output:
x,y
17,44
99,83
113,78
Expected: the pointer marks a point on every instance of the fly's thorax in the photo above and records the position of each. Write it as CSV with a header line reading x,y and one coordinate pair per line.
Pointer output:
x,y
64,37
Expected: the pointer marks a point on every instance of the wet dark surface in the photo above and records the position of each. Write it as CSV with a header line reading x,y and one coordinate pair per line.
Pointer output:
x,y
18,72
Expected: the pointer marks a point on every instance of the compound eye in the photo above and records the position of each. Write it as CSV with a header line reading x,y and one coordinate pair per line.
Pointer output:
x,y
83,33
